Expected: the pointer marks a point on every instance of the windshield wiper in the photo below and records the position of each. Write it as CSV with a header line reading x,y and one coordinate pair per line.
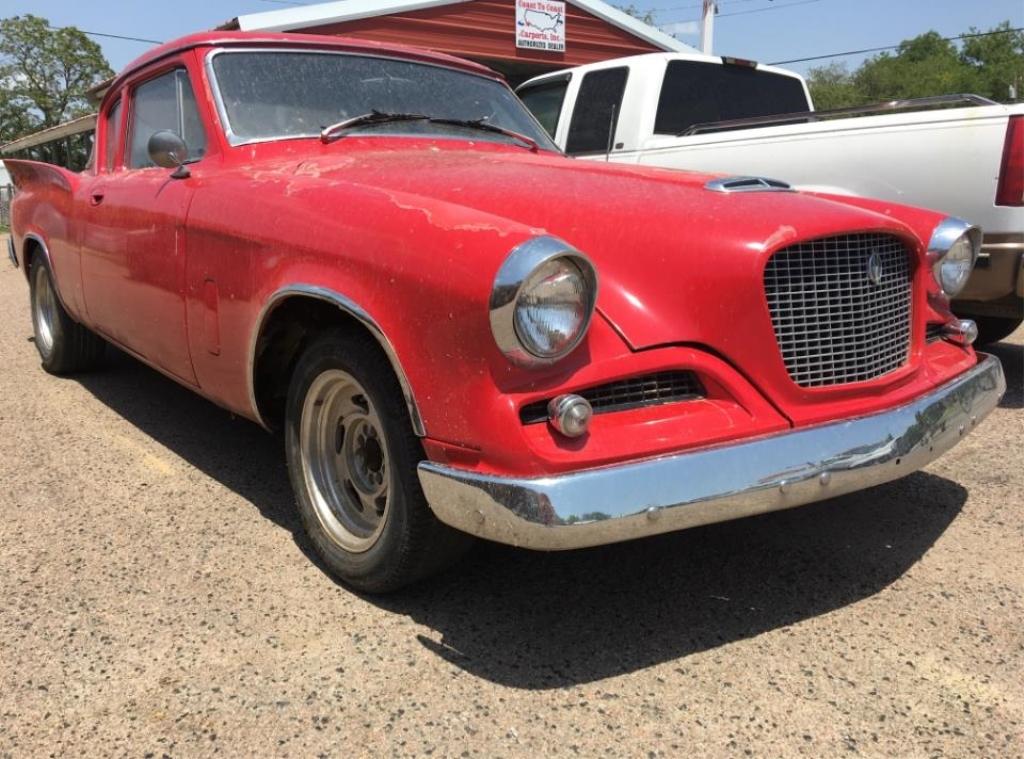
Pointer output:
x,y
483,126
334,131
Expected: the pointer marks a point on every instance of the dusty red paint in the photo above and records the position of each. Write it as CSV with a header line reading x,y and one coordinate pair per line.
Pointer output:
x,y
413,230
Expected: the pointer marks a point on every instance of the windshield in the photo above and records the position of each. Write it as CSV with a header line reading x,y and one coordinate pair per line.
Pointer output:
x,y
274,94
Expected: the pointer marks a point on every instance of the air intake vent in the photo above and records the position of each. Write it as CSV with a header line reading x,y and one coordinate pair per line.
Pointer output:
x,y
747,184
635,392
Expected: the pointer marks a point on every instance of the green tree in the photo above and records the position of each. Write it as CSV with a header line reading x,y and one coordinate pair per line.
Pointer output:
x,y
832,86
45,74
14,122
927,65
997,60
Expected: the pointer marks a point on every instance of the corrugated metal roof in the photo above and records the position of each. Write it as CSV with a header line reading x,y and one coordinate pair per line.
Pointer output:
x,y
483,30
307,17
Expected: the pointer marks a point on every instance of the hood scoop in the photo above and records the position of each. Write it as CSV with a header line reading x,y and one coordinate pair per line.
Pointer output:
x,y
747,184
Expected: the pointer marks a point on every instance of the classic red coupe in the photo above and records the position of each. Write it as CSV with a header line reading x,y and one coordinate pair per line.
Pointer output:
x,y
461,331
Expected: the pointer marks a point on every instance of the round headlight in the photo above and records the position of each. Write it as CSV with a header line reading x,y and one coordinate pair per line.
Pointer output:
x,y
542,301
552,309
954,269
952,252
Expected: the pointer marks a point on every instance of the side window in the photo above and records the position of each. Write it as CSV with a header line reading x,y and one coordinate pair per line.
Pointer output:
x,y
545,102
112,138
166,102
597,111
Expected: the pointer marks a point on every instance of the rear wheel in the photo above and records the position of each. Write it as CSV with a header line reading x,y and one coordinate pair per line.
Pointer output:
x,y
64,345
992,329
352,460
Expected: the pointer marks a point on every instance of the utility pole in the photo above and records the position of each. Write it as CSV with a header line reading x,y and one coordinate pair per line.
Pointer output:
x,y
707,25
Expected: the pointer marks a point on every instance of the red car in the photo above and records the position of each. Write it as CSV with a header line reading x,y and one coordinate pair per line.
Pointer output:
x,y
377,250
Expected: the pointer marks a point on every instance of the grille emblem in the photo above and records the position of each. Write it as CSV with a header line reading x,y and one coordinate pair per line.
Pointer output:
x,y
874,269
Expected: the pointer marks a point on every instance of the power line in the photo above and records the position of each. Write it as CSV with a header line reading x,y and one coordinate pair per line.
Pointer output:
x,y
773,7
892,47
104,34
682,7
769,8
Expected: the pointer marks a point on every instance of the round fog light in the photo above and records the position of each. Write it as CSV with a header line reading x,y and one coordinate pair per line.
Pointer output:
x,y
570,414
962,331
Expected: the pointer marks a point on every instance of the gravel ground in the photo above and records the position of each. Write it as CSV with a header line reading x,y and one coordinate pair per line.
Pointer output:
x,y
158,598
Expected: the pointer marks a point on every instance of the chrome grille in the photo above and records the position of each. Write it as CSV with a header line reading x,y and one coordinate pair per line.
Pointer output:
x,y
647,390
833,323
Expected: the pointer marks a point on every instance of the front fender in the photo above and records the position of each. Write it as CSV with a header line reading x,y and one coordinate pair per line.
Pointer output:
x,y
417,272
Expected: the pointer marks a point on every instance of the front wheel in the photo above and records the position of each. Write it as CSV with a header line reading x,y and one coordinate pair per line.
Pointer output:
x,y
64,345
352,460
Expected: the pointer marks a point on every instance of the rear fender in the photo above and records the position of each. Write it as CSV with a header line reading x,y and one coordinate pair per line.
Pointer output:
x,y
42,214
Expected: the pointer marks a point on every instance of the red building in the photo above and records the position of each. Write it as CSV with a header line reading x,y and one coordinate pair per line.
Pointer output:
x,y
520,38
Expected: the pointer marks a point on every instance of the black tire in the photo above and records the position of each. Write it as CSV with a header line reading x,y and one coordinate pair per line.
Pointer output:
x,y
64,345
992,329
411,542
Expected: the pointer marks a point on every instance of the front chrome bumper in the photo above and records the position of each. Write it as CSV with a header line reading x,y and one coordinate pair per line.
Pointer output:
x,y
631,500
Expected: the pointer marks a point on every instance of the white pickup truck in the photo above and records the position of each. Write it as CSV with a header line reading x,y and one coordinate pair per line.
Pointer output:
x,y
708,113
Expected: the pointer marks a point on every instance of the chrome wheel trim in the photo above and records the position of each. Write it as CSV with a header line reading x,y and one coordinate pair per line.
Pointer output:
x,y
44,312
345,461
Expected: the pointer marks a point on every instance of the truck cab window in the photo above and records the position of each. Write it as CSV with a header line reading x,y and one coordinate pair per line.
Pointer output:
x,y
166,102
597,111
545,102
694,92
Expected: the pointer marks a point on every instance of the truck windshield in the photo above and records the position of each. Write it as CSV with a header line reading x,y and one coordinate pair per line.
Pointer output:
x,y
270,94
695,92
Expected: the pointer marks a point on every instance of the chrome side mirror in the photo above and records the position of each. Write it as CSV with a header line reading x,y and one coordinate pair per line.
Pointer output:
x,y
169,151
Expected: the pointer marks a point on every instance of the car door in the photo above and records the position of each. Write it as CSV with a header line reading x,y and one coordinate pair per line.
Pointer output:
x,y
132,242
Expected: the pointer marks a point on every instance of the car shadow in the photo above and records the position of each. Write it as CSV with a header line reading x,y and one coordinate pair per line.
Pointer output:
x,y
545,620
1012,357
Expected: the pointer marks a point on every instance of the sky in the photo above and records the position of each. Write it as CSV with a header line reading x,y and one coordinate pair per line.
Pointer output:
x,y
763,30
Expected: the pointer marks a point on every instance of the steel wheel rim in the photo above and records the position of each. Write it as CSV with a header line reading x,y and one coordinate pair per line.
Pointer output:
x,y
345,460
44,313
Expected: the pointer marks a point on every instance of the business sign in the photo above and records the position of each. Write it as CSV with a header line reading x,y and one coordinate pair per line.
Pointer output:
x,y
540,25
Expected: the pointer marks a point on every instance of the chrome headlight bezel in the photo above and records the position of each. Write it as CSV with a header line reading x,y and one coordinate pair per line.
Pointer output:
x,y
520,265
949,234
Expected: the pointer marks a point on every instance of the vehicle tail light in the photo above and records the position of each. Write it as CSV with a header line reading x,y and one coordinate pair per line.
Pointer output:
x,y
1010,191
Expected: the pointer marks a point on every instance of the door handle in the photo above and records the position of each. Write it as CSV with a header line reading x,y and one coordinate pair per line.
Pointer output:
x,y
96,198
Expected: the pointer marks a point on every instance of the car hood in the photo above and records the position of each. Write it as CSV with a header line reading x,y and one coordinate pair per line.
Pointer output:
x,y
662,243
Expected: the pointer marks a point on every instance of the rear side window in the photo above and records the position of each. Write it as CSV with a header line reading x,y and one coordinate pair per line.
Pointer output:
x,y
166,102
112,136
597,111
545,102
695,92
